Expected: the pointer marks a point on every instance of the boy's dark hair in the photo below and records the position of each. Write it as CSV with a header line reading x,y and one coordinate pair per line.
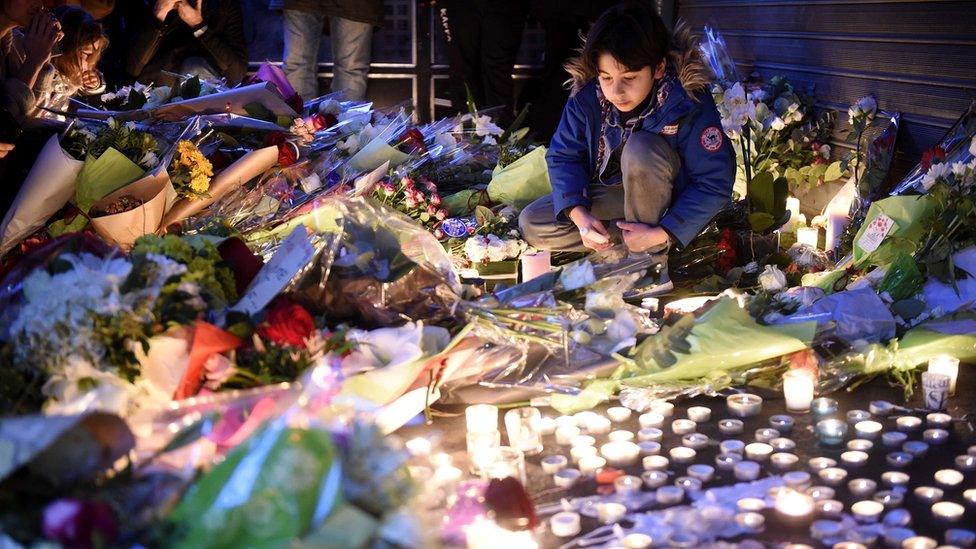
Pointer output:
x,y
632,32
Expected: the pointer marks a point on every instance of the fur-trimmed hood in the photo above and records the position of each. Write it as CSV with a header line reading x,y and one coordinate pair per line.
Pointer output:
x,y
684,57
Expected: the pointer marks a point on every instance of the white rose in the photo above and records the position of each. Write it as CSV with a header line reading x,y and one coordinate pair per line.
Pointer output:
x,y
775,123
772,279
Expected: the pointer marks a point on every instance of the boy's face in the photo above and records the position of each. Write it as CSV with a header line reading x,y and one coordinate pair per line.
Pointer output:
x,y
623,87
20,11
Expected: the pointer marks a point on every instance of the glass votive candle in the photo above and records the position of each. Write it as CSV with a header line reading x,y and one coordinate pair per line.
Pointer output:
x,y
798,386
758,451
895,479
862,487
821,493
949,478
662,407
782,423
784,461
946,365
928,494
935,436
755,505
552,464
916,448
893,439
670,495
650,433
507,462
798,480
620,454
627,484
690,485
591,464
855,416
854,458
868,429
750,521
695,441
546,425
783,444
481,418
598,425
650,419
948,511
965,462
521,425
919,542
860,444
637,540
649,447
701,471
867,511
566,433
654,479
823,407
731,446
683,426
481,448
620,436
565,524
655,463
830,508
564,478
730,426
619,413
881,408
832,476
744,404
580,452
766,434
746,470
891,499
899,460
582,440
682,454
820,463
794,504
610,512
699,414
726,462
907,424
831,432
938,420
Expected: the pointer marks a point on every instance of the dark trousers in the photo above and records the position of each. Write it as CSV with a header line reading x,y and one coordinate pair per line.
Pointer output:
x,y
562,42
485,36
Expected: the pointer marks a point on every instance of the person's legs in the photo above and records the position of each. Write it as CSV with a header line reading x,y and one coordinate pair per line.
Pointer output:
x,y
200,67
464,53
302,31
542,230
501,36
649,167
352,43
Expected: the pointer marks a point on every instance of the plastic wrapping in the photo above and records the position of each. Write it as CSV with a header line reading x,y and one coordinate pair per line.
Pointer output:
x,y
717,54
955,144
857,315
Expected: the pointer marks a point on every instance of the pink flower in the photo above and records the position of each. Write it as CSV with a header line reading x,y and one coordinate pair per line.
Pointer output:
x,y
435,199
411,201
430,186
216,371
441,215
438,234
431,209
74,522
407,182
387,189
470,230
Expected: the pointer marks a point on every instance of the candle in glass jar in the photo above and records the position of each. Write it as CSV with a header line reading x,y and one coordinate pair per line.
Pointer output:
x,y
831,432
744,404
946,365
823,407
793,205
837,220
798,385
481,418
535,264
808,236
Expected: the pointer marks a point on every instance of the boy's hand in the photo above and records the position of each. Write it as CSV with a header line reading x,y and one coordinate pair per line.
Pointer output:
x,y
642,238
594,234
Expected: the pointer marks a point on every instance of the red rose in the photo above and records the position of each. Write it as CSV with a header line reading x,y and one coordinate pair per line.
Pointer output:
x,y
77,523
243,261
728,259
287,323
287,150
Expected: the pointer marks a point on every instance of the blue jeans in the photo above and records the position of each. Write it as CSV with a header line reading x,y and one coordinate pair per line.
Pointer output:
x,y
351,48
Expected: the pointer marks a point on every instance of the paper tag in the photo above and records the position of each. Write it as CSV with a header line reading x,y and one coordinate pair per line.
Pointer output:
x,y
876,233
294,253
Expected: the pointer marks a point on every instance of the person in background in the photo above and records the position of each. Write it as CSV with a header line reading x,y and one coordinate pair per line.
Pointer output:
x,y
204,38
351,24
483,41
75,70
99,9
23,55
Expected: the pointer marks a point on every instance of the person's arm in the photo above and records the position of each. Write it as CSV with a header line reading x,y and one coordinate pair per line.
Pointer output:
x,y
710,164
225,40
147,34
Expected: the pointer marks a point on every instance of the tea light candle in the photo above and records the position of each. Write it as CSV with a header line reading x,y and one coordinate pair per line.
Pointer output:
x,y
732,446
820,463
655,463
798,386
750,521
821,493
766,434
699,414
832,476
701,471
610,512
750,504
582,440
899,460
546,425
726,462
807,236
966,462
690,485
651,419
928,494
598,425
938,420
889,498
552,464
881,408
830,508
670,495
897,517
627,484
947,366
747,470
564,478
654,479
618,413
662,407
683,426
793,504
862,487
730,426
854,458
744,404
566,433
950,478
919,542
621,436
823,407
580,452
948,511
868,429
935,436
682,454
650,433
782,423
562,421
637,541
758,451
649,447
855,416
969,496
481,418
831,432
565,524
907,424
893,439
783,444
589,465
784,460
620,454
798,480
895,537
895,478
916,448
695,441
867,511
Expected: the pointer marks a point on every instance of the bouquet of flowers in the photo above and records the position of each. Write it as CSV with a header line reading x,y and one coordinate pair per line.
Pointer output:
x,y
418,200
190,171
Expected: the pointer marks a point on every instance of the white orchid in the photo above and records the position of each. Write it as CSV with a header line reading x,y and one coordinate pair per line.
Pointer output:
x,y
446,140
484,126
384,348
866,106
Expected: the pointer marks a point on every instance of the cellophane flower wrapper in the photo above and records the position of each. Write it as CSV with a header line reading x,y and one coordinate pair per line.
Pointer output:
x,y
717,54
910,215
955,145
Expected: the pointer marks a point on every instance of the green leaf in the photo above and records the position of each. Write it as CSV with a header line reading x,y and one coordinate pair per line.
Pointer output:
x,y
834,171
483,215
761,221
190,88
135,100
